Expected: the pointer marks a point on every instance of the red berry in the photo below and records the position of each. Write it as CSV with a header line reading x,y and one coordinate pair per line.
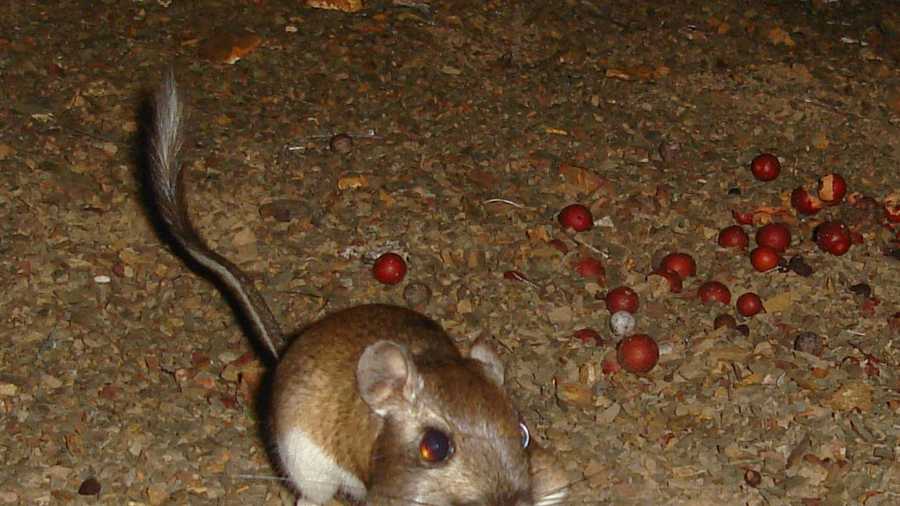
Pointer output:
x,y
742,218
637,353
733,237
389,268
892,207
774,235
805,203
679,263
833,237
589,336
714,291
832,189
748,304
765,167
764,258
622,298
577,217
610,364
591,268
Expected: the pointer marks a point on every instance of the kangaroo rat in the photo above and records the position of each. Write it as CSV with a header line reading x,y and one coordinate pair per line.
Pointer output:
x,y
374,402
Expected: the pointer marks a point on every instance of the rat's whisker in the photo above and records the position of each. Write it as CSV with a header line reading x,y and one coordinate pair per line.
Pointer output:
x,y
259,477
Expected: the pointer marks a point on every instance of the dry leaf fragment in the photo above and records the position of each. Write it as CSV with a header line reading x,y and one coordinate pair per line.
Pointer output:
x,y
336,5
483,177
819,372
8,389
801,381
281,210
75,444
778,36
157,494
641,72
820,140
244,237
609,414
852,395
561,314
352,182
779,303
236,367
587,373
539,233
584,179
250,381
798,451
575,394
727,353
229,47
893,103
465,306
799,72
618,74
597,474
751,379
6,151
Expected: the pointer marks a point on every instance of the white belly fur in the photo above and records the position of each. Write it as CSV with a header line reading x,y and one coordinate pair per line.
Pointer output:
x,y
313,472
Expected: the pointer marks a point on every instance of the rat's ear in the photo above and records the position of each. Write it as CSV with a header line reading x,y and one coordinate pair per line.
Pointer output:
x,y
386,376
484,352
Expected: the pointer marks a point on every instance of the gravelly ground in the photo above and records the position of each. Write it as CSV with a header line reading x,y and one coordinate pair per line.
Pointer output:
x,y
125,378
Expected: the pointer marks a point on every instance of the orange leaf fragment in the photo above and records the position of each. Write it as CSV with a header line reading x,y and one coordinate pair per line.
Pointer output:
x,y
336,5
229,47
581,177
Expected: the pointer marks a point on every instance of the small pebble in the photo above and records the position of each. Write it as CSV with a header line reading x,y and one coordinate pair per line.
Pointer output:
x,y
622,323
808,342
589,336
752,478
341,143
669,151
799,266
89,486
416,294
724,320
861,289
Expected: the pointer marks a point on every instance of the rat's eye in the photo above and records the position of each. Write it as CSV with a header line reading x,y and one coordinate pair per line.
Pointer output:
x,y
435,446
526,436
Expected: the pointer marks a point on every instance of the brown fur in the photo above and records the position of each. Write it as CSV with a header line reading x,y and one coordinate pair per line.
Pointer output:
x,y
365,383
318,375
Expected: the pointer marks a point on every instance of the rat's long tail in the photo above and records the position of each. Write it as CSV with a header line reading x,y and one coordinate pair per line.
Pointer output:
x,y
165,179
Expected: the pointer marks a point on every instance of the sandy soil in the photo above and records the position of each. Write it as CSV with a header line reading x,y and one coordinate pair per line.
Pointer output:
x,y
126,379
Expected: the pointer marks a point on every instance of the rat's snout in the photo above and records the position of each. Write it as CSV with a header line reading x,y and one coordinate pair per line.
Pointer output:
x,y
519,499
499,501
